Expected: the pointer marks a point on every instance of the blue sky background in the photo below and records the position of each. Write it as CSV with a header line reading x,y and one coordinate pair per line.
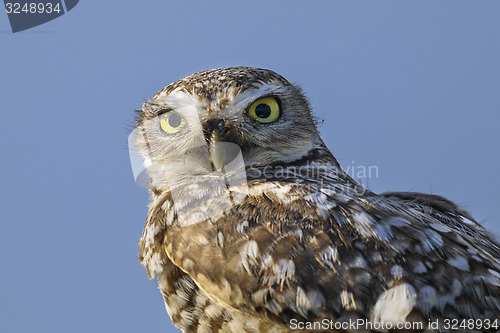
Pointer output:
x,y
412,87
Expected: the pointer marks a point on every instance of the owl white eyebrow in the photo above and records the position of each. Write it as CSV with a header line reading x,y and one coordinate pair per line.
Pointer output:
x,y
253,94
179,99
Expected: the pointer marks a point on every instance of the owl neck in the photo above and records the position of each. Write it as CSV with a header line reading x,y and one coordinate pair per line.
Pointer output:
x,y
316,167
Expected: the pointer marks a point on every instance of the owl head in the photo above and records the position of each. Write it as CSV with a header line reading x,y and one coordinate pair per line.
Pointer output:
x,y
202,123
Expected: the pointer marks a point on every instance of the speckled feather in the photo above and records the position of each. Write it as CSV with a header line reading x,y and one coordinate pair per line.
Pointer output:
x,y
308,248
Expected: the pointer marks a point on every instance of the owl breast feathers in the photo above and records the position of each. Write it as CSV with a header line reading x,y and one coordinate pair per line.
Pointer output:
x,y
254,227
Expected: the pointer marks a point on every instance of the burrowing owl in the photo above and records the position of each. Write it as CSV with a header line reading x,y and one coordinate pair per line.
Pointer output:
x,y
254,227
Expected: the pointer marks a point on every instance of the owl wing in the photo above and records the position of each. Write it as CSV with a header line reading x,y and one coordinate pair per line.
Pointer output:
x,y
288,254
450,216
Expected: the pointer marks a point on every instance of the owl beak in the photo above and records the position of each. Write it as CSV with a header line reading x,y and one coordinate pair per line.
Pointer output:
x,y
218,154
222,152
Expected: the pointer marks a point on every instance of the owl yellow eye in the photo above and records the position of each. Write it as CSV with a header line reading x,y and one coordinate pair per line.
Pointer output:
x,y
265,110
171,122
